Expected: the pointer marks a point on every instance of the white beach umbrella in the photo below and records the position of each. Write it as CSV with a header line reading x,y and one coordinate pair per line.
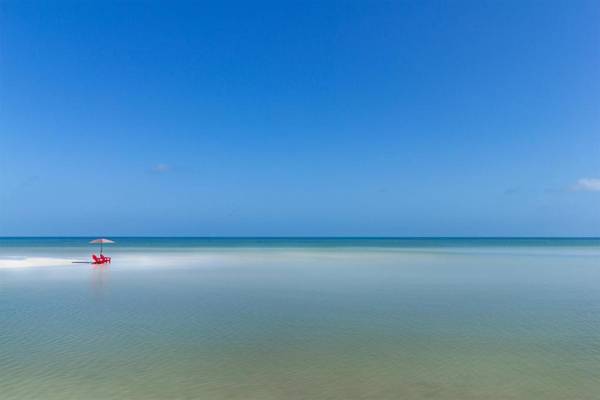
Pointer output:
x,y
101,242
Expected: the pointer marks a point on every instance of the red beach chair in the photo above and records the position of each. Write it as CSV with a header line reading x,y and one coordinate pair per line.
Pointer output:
x,y
100,260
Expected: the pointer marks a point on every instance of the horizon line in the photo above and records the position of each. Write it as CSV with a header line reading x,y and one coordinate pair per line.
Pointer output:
x,y
291,237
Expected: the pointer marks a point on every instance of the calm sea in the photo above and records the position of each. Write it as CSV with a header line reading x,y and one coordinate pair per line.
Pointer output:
x,y
265,318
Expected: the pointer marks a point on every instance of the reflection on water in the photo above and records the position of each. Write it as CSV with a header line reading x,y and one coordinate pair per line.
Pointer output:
x,y
100,278
323,323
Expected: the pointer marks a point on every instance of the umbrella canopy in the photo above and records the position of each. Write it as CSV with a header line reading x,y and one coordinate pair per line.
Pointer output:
x,y
101,242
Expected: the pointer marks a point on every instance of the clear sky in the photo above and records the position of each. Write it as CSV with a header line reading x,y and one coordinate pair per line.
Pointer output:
x,y
303,118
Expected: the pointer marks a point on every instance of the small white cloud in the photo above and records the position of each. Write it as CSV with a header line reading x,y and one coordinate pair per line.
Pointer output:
x,y
588,185
161,168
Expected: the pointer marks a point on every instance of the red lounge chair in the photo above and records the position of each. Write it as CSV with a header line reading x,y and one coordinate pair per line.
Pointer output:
x,y
100,260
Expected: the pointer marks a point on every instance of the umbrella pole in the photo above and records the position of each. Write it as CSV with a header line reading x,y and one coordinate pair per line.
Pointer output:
x,y
100,248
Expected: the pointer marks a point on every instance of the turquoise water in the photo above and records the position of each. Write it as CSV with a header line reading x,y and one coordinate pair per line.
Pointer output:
x,y
301,319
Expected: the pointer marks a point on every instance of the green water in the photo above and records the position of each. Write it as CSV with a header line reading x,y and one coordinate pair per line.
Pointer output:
x,y
303,319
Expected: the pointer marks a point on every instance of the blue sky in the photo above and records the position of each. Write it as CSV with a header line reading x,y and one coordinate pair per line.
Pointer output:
x,y
300,118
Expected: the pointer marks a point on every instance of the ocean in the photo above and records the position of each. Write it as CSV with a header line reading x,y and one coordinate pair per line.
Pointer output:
x,y
300,318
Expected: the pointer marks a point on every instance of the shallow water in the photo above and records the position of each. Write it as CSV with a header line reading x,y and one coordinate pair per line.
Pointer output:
x,y
301,319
